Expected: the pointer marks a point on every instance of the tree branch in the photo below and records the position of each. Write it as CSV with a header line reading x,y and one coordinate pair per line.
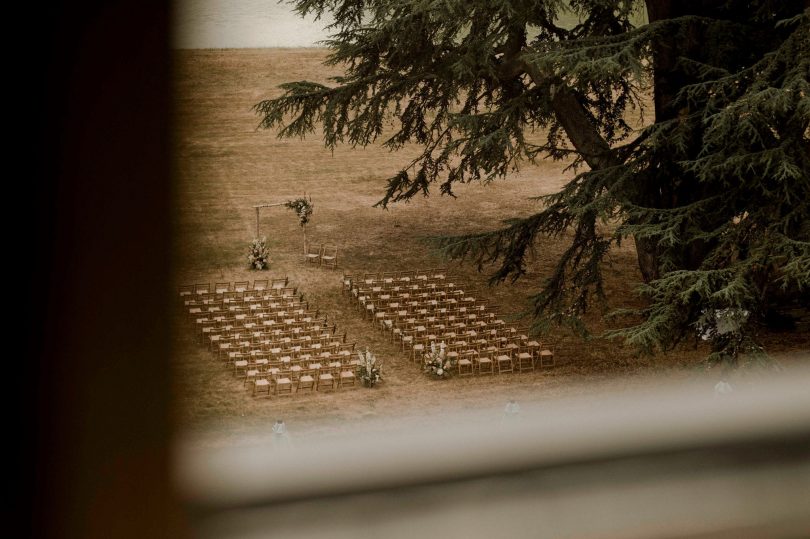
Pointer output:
x,y
573,117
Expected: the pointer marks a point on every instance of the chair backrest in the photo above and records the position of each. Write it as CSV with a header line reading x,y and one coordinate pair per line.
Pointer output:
x,y
202,288
260,284
241,286
329,255
280,283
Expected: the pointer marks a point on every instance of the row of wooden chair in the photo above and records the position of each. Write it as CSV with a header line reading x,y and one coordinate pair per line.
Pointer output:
x,y
259,314
236,286
397,287
294,367
495,357
268,320
263,328
278,331
462,308
263,310
368,301
324,254
401,276
237,298
293,349
388,278
324,345
288,383
211,331
252,308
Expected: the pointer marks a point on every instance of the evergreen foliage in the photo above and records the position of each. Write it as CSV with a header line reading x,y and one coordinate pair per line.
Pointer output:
x,y
714,189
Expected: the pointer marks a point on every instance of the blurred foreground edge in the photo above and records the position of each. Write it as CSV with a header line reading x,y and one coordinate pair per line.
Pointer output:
x,y
675,462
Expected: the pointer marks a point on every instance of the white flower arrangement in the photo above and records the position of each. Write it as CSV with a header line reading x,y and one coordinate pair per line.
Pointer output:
x,y
370,372
258,254
302,207
716,322
436,364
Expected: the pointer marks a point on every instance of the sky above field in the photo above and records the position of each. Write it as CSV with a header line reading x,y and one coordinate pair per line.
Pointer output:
x,y
203,24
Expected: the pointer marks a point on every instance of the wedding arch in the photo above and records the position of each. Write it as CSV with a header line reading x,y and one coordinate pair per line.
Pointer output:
x,y
302,207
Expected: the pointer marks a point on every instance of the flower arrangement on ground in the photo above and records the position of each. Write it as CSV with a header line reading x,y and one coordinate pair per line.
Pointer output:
x,y
436,364
370,371
258,254
302,208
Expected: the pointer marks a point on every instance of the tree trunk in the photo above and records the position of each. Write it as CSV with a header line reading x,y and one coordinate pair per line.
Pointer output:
x,y
658,189
655,188
647,252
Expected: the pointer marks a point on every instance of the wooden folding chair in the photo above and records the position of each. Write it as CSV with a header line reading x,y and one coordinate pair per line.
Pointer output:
x,y
452,352
241,286
465,362
346,351
503,359
260,284
525,359
380,318
346,376
202,288
221,288
347,281
547,358
419,347
283,384
314,256
186,291
279,284
240,366
326,380
262,385
329,256
483,362
250,377
306,382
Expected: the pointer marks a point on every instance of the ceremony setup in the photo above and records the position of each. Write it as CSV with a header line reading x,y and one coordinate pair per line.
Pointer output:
x,y
458,268
294,272
482,232
440,324
266,334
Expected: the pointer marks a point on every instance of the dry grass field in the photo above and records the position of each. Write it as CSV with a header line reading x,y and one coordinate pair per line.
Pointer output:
x,y
224,165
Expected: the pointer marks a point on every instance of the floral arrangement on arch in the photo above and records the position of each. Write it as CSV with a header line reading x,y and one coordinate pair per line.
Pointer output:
x,y
258,254
370,371
436,364
302,208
